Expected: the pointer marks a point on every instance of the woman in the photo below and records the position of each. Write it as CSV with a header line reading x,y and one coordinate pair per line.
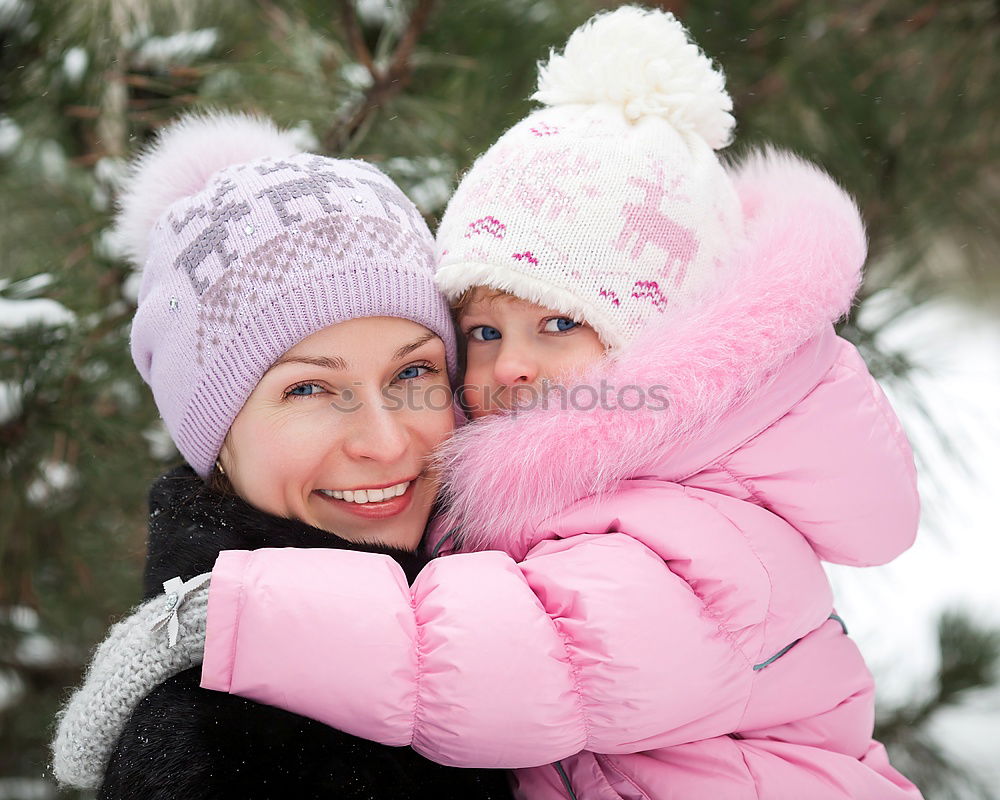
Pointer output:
x,y
299,354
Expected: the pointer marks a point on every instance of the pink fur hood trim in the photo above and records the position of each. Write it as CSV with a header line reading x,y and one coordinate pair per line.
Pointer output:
x,y
796,272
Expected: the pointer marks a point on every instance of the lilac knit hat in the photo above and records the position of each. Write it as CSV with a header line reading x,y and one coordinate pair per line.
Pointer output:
x,y
248,246
608,204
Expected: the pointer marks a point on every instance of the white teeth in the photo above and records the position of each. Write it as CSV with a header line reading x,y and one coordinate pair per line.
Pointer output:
x,y
362,496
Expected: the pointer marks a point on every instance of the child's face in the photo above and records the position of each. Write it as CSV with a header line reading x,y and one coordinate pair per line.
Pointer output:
x,y
513,345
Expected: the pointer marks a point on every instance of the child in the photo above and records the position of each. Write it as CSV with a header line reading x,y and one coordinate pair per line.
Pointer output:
x,y
658,624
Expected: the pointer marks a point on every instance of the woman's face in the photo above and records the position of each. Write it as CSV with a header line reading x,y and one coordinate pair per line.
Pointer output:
x,y
338,431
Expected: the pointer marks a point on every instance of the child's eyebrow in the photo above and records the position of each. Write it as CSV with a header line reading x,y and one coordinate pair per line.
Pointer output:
x,y
485,304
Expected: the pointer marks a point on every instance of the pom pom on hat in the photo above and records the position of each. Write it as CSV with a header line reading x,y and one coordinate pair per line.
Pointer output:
x,y
180,163
642,61
609,204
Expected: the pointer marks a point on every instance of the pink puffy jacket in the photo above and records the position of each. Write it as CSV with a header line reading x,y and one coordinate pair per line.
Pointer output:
x,y
644,614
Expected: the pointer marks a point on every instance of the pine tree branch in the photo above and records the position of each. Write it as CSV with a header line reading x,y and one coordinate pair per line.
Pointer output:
x,y
355,38
924,16
676,7
385,84
970,657
45,677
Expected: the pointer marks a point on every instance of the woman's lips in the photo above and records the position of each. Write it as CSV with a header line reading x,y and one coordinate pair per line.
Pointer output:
x,y
381,509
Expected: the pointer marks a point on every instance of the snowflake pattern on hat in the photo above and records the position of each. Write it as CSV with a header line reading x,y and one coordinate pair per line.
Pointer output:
x,y
267,252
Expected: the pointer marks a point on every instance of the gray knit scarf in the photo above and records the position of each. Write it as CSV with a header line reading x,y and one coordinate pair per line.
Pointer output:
x,y
160,638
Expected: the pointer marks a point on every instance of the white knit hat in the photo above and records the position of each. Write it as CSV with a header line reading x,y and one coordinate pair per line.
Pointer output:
x,y
609,204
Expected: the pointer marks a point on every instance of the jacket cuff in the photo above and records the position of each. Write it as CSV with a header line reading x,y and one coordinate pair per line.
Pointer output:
x,y
225,601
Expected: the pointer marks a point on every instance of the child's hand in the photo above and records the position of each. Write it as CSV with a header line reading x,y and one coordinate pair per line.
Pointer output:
x,y
160,638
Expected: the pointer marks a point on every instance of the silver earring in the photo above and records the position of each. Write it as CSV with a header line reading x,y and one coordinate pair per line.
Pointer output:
x,y
218,466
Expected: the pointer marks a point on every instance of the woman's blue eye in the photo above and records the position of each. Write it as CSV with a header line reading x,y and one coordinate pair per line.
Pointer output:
x,y
559,324
484,333
412,372
305,389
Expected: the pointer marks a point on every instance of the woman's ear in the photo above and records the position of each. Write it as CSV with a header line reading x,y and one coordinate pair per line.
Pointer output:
x,y
219,478
225,457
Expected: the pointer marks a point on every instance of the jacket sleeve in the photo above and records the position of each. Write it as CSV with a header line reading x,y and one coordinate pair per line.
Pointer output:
x,y
852,487
186,743
592,642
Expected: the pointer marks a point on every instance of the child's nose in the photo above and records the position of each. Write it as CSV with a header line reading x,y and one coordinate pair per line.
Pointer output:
x,y
514,366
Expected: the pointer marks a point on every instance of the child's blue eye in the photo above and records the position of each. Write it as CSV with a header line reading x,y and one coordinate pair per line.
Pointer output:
x,y
305,390
559,324
484,333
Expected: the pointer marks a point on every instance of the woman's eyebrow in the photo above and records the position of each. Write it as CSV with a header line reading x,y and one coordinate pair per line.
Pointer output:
x,y
317,361
406,349
337,363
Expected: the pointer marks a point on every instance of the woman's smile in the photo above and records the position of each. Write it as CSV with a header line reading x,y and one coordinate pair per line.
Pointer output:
x,y
371,503
365,494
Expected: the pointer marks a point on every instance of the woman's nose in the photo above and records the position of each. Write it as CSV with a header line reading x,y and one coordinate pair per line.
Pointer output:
x,y
376,433
515,366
